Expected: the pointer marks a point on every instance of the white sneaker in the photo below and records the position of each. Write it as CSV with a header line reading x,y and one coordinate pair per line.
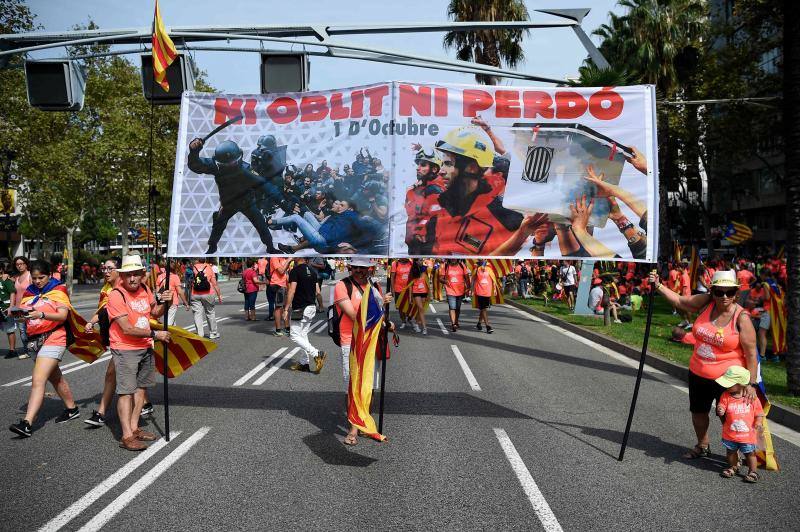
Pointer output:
x,y
424,331
617,321
213,336
402,325
416,328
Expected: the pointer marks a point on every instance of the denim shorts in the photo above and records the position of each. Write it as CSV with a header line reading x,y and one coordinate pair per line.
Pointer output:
x,y
454,302
745,448
7,323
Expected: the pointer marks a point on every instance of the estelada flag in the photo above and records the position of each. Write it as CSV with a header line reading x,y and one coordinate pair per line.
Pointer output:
x,y
366,333
405,303
694,265
778,316
495,266
86,346
164,52
185,350
765,452
737,232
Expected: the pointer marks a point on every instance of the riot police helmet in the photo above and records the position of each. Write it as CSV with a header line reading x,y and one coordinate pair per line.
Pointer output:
x,y
228,154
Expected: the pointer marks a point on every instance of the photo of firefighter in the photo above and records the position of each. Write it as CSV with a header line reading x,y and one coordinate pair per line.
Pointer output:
x,y
322,208
455,206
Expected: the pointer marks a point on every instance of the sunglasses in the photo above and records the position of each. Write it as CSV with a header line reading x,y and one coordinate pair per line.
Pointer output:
x,y
725,293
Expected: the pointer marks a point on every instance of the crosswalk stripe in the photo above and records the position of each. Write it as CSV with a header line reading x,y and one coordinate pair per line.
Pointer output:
x,y
271,371
249,375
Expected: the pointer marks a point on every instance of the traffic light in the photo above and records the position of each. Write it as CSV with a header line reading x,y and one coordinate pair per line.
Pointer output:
x,y
180,76
284,72
55,84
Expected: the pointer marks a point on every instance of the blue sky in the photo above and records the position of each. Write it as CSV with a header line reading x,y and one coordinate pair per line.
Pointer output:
x,y
552,52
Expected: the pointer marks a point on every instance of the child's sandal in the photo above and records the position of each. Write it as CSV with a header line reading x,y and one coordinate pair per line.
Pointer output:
x,y
752,477
729,472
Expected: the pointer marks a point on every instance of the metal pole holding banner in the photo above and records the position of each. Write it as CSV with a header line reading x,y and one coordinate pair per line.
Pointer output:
x,y
383,344
166,354
650,304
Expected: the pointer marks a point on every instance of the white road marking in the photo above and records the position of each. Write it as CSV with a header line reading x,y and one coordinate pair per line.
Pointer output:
x,y
465,368
97,362
118,504
271,371
783,432
442,327
314,325
250,374
260,305
192,327
65,366
101,489
322,327
540,506
525,314
433,309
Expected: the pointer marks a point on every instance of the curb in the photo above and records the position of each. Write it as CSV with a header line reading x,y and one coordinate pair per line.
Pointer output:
x,y
786,416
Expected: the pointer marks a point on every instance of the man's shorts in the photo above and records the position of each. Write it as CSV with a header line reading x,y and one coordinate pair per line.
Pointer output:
x,y
51,351
280,294
484,302
571,289
135,369
7,324
702,392
745,448
764,321
454,302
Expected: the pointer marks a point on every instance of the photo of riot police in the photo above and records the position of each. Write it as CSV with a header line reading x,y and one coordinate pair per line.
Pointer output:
x,y
314,207
456,205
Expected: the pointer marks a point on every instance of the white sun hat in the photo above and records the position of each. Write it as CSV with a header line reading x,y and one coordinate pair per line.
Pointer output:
x,y
724,278
131,263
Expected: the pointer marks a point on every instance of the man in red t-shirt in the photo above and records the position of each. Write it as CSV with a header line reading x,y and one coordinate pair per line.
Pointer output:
x,y
483,289
278,279
204,288
130,307
455,278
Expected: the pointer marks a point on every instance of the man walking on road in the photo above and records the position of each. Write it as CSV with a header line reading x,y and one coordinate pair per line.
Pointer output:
x,y
130,307
277,286
302,296
204,288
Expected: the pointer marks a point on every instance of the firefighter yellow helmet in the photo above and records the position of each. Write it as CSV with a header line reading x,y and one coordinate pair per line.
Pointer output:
x,y
469,142
429,157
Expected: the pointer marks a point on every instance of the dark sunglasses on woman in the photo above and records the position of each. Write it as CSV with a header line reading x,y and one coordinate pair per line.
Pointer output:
x,y
718,292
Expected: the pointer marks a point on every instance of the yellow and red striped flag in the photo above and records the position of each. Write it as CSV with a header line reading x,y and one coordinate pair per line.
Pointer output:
x,y
778,315
694,266
737,233
497,296
185,350
164,52
436,282
366,332
677,252
405,303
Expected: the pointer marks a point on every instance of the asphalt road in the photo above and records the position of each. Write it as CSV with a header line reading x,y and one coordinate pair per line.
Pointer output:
x,y
523,435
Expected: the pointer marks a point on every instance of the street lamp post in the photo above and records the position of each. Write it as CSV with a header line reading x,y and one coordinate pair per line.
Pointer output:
x,y
8,158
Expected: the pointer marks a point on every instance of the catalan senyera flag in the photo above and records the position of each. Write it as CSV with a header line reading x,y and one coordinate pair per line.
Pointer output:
x,y
405,303
694,265
164,52
765,453
145,235
436,283
86,346
677,252
366,333
497,297
737,233
778,316
781,252
185,350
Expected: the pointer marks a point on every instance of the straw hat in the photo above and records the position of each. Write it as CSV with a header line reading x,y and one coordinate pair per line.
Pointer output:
x,y
724,278
131,263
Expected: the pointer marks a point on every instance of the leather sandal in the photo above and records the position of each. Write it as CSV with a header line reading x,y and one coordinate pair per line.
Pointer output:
x,y
143,435
729,472
697,452
132,444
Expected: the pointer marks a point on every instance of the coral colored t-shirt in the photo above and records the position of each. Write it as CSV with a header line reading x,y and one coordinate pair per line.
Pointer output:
x,y
59,335
345,323
174,284
275,277
483,283
456,280
208,271
686,281
262,266
675,281
136,307
740,416
717,348
402,271
249,277
420,285
745,277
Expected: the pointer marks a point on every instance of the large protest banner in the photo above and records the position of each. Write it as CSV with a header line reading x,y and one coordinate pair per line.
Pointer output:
x,y
404,169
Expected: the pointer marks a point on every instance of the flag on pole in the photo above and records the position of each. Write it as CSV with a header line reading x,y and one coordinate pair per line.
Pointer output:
x,y
781,252
145,235
185,350
366,332
765,451
86,346
436,282
778,316
164,52
405,303
677,252
737,233
694,266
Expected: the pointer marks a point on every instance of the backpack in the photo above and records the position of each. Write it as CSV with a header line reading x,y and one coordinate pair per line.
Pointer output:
x,y
201,283
240,287
335,317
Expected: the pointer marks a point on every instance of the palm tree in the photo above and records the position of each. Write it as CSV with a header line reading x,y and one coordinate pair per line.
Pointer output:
x,y
593,76
791,120
487,47
650,42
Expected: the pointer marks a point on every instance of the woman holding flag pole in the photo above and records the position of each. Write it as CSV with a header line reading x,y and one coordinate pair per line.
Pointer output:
x,y
361,307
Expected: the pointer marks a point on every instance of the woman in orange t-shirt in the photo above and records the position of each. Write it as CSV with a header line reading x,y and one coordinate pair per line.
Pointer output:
x,y
724,337
49,307
419,291
484,287
455,278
